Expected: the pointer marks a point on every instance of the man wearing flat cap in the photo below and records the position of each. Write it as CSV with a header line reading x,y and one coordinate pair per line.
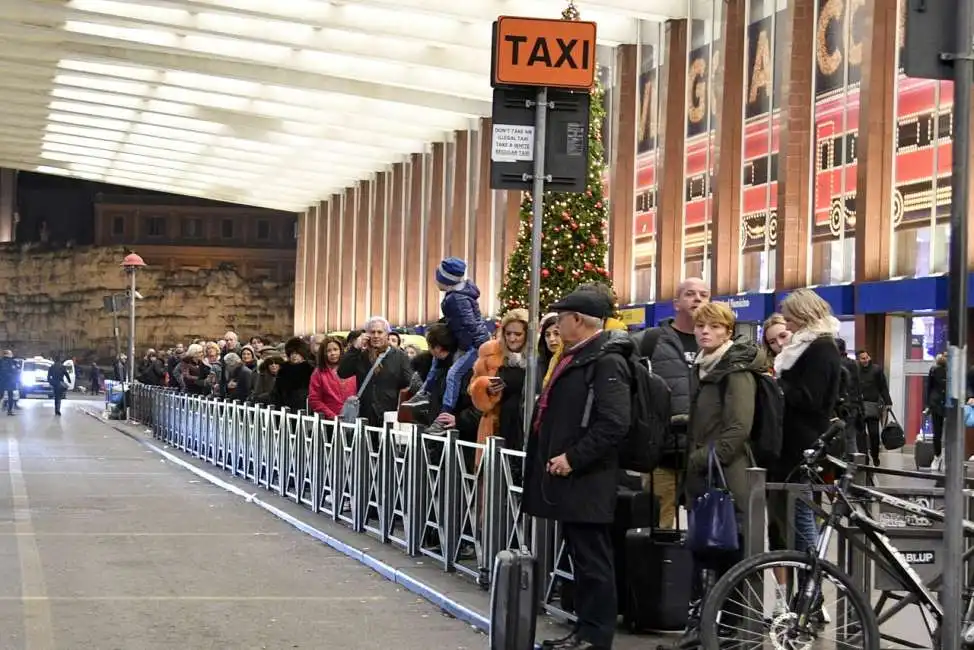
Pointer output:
x,y
572,463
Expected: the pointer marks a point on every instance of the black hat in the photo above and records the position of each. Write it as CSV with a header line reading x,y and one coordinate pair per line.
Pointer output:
x,y
588,302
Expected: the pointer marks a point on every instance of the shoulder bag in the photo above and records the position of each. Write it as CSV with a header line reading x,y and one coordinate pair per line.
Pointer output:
x,y
350,409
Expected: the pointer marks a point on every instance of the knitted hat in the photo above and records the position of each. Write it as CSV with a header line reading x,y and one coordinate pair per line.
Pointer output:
x,y
451,271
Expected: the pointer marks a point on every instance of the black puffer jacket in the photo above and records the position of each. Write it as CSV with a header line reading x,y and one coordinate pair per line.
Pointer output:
x,y
588,494
668,359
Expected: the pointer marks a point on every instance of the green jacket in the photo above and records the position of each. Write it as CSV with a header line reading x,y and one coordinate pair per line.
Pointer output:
x,y
721,414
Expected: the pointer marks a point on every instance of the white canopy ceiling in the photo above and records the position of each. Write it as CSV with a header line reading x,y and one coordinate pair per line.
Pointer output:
x,y
277,103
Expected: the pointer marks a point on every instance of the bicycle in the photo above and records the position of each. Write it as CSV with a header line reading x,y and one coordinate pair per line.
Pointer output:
x,y
795,622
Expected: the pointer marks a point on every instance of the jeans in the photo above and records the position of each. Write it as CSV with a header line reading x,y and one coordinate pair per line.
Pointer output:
x,y
461,366
806,530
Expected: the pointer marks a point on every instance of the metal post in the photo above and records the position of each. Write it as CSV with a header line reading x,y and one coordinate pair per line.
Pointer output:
x,y
534,290
131,376
954,509
118,334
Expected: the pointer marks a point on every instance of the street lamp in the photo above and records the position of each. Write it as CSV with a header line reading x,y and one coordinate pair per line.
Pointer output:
x,y
131,264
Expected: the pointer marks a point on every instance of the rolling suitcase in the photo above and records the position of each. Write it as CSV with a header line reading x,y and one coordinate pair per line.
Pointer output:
x,y
513,601
923,447
634,509
660,573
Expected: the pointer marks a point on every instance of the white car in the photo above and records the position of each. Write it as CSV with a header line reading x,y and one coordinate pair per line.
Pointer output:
x,y
33,377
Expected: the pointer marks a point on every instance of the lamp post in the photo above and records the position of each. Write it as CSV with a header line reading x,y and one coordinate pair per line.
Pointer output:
x,y
131,264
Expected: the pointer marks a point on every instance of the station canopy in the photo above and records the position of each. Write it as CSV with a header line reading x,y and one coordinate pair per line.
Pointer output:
x,y
275,103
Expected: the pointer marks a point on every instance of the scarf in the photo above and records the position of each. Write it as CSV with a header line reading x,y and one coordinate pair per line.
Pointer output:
x,y
707,361
800,341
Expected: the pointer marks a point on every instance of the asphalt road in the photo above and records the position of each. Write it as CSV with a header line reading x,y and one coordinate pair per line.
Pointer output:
x,y
106,546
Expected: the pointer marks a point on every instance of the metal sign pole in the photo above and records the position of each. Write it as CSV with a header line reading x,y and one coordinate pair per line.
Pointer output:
x,y
954,506
534,289
131,376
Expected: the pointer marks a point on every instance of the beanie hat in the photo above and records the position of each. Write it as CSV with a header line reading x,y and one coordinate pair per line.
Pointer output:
x,y
451,271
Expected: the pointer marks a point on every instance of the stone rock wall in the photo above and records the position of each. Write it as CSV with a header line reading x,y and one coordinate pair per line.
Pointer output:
x,y
54,300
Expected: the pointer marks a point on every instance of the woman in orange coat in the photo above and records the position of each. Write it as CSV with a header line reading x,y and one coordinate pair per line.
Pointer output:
x,y
497,387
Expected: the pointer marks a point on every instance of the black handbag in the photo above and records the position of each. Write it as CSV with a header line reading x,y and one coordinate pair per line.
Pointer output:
x,y
893,436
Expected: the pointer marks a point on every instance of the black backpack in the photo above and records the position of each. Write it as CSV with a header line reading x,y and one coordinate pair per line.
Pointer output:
x,y
649,416
767,429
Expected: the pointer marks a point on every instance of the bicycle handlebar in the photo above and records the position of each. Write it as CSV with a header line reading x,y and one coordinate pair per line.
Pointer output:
x,y
820,450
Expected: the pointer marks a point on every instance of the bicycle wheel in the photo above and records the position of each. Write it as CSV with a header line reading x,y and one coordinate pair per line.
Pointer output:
x,y
735,611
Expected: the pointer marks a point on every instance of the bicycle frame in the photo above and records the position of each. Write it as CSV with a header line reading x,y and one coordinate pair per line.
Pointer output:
x,y
874,532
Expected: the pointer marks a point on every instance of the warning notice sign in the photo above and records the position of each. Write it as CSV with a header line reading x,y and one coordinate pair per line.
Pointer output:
x,y
512,143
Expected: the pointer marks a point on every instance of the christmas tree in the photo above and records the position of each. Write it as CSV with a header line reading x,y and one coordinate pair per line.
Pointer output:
x,y
573,246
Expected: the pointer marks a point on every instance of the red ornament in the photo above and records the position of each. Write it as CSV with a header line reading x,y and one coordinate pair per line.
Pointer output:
x,y
560,268
593,240
605,272
545,273
588,266
598,204
557,228
575,274
581,247
574,226
588,192
565,216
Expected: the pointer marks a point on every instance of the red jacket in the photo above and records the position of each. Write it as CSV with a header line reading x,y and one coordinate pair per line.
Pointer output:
x,y
327,392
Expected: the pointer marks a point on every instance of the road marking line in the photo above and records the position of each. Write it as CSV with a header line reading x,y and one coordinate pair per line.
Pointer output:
x,y
38,629
73,599
136,534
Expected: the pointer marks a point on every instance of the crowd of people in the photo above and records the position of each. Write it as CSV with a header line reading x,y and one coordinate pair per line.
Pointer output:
x,y
475,382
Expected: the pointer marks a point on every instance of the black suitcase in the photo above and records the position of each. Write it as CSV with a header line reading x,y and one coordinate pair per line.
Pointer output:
x,y
634,509
513,601
660,573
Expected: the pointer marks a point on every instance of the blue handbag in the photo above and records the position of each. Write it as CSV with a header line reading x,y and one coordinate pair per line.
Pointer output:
x,y
712,519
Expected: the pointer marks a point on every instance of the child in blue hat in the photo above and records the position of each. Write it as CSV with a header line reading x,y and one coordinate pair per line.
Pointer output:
x,y
461,311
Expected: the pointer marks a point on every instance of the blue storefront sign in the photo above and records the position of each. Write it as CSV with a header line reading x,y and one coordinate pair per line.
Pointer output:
x,y
749,307
904,295
662,311
841,298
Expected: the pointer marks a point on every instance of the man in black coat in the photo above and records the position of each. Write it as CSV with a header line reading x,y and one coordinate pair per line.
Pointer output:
x,y
571,469
875,404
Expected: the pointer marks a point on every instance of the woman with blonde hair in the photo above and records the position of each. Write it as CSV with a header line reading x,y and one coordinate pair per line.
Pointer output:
x,y
497,386
809,371
774,337
721,416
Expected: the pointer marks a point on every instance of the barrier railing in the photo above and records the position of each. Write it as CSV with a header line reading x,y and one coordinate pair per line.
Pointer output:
x,y
456,502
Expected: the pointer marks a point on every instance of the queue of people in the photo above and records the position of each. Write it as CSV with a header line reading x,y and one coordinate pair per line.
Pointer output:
x,y
583,409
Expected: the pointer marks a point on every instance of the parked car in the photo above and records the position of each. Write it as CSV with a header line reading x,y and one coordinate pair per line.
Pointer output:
x,y
33,377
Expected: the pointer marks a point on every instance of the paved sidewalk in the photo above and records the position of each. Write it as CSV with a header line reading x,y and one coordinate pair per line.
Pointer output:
x,y
104,545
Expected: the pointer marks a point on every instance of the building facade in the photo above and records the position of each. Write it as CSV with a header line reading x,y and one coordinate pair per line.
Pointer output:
x,y
183,234
762,145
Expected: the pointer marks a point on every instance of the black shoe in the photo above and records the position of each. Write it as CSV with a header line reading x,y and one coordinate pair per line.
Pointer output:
x,y
436,429
588,645
876,461
421,398
570,641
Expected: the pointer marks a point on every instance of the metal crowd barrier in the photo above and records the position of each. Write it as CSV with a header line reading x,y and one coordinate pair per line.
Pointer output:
x,y
455,502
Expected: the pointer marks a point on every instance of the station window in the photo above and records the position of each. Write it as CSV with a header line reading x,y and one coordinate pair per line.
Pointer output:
x,y
226,229
263,229
118,226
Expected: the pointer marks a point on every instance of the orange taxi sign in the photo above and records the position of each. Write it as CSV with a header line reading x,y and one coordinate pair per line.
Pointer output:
x,y
543,52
